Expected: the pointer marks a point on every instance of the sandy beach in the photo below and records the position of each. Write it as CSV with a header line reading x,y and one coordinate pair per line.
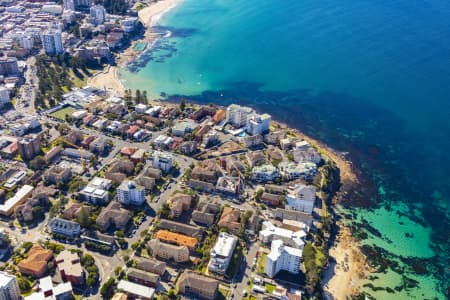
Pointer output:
x,y
107,79
149,15
340,280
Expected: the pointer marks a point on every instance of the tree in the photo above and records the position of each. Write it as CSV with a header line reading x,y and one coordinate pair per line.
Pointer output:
x,y
107,289
144,97
137,98
83,218
37,163
182,104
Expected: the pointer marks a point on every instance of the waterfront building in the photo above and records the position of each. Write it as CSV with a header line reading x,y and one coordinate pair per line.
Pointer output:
x,y
290,238
237,115
282,257
301,198
263,173
258,124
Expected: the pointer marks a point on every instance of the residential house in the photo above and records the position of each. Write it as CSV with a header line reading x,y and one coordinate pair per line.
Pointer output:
x,y
177,239
199,185
57,174
143,277
186,229
204,174
47,290
150,265
73,210
258,124
161,160
179,203
270,199
205,213
69,267
230,185
183,128
250,141
64,227
198,286
36,262
113,215
136,291
230,219
255,158
292,170
237,115
264,173
166,251
285,214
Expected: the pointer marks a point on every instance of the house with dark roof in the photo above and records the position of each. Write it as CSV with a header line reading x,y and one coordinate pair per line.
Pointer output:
x,y
186,229
150,265
143,277
230,219
113,215
198,286
205,213
65,227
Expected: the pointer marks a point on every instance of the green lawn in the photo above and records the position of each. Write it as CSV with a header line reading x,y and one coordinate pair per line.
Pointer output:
x,y
261,264
61,114
270,288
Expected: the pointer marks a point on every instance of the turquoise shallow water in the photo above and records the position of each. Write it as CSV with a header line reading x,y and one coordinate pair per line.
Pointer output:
x,y
368,77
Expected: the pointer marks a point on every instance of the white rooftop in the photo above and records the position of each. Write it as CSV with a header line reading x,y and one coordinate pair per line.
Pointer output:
x,y
16,198
136,289
225,244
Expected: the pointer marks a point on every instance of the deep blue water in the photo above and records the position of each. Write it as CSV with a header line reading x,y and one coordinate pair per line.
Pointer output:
x,y
371,77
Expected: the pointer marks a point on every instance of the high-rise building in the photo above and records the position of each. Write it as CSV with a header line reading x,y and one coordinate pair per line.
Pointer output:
x,y
52,41
282,257
237,115
258,124
8,66
4,96
69,4
9,288
29,146
97,14
130,193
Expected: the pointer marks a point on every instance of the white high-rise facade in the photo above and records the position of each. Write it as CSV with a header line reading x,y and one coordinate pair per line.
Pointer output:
x,y
52,41
129,193
9,288
282,257
258,124
237,115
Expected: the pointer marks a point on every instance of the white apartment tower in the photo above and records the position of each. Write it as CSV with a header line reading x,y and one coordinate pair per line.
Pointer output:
x,y
282,257
9,288
237,115
52,41
130,193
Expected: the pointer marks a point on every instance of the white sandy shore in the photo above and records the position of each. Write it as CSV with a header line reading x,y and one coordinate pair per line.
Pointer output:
x,y
149,16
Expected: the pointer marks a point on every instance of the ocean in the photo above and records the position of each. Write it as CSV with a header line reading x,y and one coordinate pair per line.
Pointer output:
x,y
367,77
